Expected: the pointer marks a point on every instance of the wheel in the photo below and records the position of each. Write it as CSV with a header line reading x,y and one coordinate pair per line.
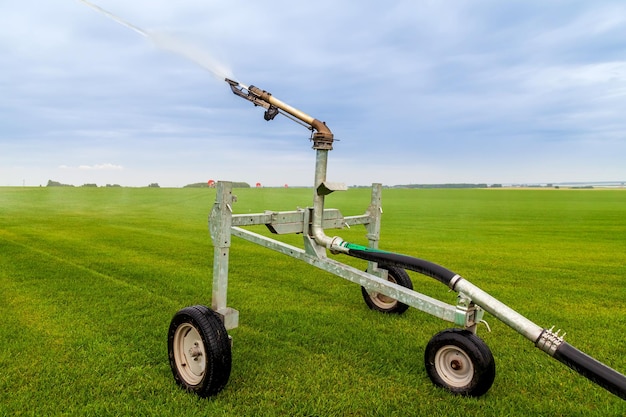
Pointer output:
x,y
459,361
199,350
380,302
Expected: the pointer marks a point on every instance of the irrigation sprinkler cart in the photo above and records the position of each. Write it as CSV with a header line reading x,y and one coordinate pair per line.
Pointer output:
x,y
387,289
456,359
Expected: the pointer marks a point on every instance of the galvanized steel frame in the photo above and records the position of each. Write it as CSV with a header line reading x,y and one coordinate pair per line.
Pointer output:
x,y
223,224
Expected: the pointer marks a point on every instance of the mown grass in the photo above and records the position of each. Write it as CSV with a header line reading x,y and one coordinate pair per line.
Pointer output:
x,y
90,278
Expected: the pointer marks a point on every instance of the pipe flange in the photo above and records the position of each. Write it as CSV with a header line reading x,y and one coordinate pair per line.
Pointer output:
x,y
322,140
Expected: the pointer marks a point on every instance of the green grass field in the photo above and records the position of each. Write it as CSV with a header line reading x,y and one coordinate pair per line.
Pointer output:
x,y
90,278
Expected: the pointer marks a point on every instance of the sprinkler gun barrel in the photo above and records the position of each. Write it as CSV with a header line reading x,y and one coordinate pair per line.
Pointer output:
x,y
322,138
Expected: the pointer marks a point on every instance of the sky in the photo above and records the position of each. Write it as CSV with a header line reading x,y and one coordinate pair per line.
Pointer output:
x,y
414,91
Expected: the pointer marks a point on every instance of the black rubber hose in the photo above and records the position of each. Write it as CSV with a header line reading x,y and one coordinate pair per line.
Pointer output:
x,y
421,266
595,371
585,365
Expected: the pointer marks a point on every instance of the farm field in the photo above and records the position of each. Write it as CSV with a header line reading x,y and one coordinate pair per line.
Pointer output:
x,y
91,277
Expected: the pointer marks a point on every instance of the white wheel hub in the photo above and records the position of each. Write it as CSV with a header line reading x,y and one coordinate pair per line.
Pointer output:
x,y
454,366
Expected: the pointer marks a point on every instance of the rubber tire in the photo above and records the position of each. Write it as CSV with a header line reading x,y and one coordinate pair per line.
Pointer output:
x,y
462,348
210,371
382,303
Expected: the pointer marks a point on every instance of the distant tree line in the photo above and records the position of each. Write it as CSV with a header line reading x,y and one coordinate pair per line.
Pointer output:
x,y
453,185
206,185
151,185
57,184
197,185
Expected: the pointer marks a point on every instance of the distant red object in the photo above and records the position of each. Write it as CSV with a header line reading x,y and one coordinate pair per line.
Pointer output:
x,y
286,185
258,185
211,183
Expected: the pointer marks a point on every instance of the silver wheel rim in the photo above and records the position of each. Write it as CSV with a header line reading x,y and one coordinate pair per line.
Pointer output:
x,y
383,301
454,366
189,354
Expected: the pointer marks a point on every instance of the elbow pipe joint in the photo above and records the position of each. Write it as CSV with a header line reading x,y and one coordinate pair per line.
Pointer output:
x,y
323,138
335,244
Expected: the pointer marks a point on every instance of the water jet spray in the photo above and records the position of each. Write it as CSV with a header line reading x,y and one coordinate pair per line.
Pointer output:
x,y
171,43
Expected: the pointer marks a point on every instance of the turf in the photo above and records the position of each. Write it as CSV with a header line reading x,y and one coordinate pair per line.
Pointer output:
x,y
90,278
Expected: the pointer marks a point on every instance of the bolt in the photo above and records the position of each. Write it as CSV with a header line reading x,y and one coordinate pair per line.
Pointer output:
x,y
195,352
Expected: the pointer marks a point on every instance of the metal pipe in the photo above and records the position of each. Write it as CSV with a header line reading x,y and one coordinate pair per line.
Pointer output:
x,y
317,229
318,125
501,311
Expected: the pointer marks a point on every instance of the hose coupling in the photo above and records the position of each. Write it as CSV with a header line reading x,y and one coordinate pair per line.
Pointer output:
x,y
550,341
337,245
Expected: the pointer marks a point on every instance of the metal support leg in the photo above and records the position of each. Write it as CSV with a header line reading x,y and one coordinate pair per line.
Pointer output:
x,y
373,227
220,221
